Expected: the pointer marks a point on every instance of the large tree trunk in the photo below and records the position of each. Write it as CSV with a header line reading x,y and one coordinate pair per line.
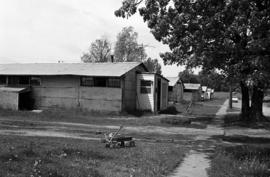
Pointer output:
x,y
256,113
245,109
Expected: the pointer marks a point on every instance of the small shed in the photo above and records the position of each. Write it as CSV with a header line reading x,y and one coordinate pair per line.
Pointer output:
x,y
152,92
176,89
14,98
192,91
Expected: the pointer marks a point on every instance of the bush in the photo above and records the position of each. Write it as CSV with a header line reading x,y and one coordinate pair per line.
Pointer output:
x,y
170,110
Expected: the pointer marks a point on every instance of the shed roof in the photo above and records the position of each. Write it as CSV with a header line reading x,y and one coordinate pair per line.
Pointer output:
x,y
14,89
157,74
116,69
192,86
173,80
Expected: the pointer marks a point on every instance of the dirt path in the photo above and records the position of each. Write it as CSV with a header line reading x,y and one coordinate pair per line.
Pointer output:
x,y
223,109
136,129
196,163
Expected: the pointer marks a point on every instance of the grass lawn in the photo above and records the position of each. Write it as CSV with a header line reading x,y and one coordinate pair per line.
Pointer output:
x,y
59,157
79,116
241,161
205,108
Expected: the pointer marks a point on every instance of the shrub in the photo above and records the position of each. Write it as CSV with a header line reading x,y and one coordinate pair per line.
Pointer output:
x,y
170,110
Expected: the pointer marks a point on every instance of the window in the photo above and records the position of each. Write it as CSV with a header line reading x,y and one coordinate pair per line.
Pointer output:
x,y
170,88
35,81
87,81
146,86
24,80
100,82
18,80
2,80
114,82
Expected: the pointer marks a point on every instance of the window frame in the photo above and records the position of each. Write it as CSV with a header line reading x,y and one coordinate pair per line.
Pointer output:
x,y
110,82
4,78
31,79
144,88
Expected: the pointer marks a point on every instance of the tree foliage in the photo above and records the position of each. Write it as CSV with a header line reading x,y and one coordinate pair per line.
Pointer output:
x,y
152,65
214,80
127,48
187,76
229,35
99,51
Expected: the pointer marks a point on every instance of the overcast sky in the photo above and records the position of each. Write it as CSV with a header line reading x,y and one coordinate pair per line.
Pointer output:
x,y
50,30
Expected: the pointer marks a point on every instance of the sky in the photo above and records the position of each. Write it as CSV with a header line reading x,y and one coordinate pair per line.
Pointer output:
x,y
46,31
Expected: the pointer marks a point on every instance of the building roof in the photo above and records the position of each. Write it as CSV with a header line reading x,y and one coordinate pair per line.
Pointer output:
x,y
14,89
116,69
156,74
173,80
191,86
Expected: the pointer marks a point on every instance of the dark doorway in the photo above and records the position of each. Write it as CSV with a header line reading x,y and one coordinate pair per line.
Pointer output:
x,y
26,102
158,94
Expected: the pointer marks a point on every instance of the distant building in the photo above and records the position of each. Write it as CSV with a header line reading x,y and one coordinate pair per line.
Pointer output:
x,y
176,89
192,91
91,86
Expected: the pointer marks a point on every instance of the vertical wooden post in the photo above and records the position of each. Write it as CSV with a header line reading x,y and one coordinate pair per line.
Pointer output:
x,y
230,98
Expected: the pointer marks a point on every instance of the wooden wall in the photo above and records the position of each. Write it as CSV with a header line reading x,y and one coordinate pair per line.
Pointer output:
x,y
9,100
65,91
176,95
129,85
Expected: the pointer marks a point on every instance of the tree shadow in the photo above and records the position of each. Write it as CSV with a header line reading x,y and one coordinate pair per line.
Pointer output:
x,y
243,139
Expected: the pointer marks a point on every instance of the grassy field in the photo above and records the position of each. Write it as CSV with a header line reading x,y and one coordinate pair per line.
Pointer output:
x,y
204,108
155,154
207,108
58,157
240,161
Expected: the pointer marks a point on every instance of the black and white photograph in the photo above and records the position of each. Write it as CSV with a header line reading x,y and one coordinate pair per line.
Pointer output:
x,y
134,88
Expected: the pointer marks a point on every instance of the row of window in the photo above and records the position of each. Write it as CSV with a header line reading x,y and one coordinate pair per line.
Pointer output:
x,y
20,80
100,82
85,81
145,87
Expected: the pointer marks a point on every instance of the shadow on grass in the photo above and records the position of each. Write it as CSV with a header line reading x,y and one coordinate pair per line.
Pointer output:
x,y
239,161
235,120
243,139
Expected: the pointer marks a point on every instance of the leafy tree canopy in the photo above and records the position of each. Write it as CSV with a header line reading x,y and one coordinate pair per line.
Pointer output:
x,y
99,51
223,34
127,48
152,65
187,76
230,35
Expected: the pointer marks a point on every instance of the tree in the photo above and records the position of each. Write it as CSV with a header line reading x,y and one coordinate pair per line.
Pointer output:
x,y
214,80
187,76
99,51
127,48
229,35
152,65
